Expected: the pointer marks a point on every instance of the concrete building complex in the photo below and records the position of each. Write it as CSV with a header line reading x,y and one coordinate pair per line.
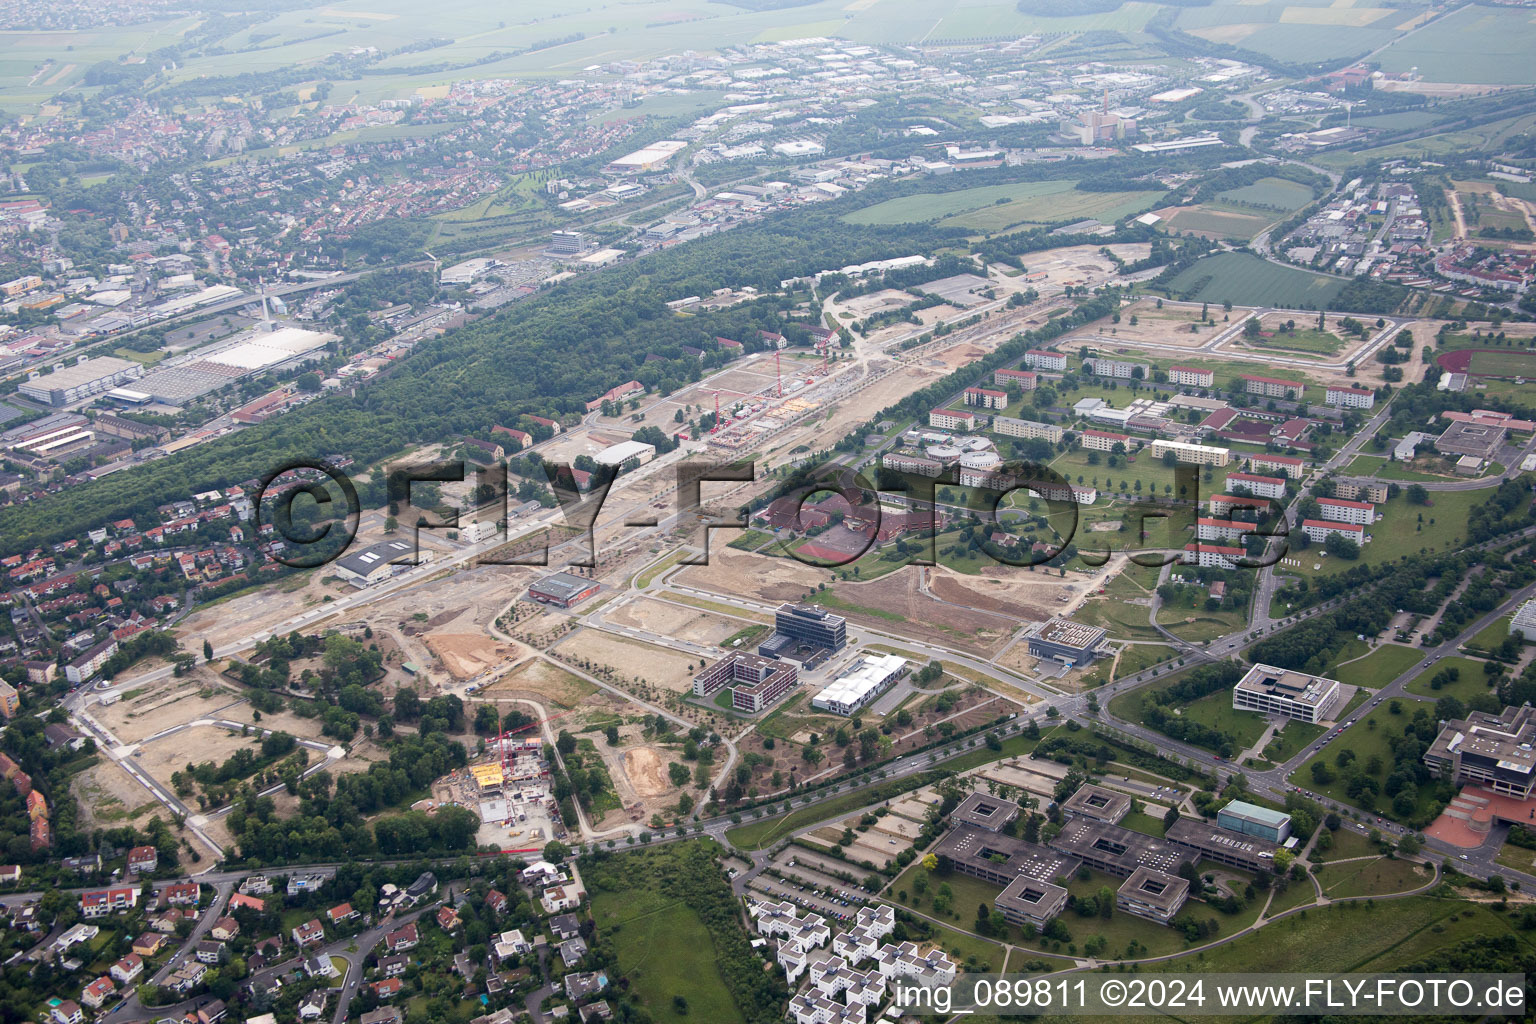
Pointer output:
x,y
1496,751
755,682
1152,894
804,627
1253,820
73,383
869,677
1287,693
1064,641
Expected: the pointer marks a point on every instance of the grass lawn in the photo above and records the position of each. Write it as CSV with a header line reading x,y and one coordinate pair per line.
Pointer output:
x,y
1369,738
1215,711
1122,929
644,579
1292,740
1517,857
1297,894
1470,683
1303,339
1349,652
1272,193
664,949
1356,937
1194,626
1348,844
1370,877
1137,821
1133,658
1378,668
1443,528
1490,637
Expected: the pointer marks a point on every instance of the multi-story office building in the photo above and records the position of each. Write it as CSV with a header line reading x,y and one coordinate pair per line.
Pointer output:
x,y
1065,641
869,677
1290,694
1152,894
1253,820
756,682
800,626
1496,751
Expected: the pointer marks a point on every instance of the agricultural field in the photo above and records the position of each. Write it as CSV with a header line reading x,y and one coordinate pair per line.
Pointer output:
x,y
1475,45
1250,281
991,208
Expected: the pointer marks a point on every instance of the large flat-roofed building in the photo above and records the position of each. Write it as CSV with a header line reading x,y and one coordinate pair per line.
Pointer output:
x,y
1495,751
1222,845
1152,894
1253,820
756,682
73,383
1479,439
647,159
1009,426
1290,694
563,589
1116,850
1523,624
1065,641
798,626
625,451
985,811
869,677
1193,454
1098,803
1028,900
999,859
377,562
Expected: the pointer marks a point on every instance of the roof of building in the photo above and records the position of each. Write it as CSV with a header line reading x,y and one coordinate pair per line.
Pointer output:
x,y
1097,802
563,585
1255,813
1159,888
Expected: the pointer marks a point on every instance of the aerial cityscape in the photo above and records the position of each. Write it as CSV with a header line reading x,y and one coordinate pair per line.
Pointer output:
x,y
738,511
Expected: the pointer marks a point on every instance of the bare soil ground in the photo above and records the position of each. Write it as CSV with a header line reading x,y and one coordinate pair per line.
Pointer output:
x,y
875,302
543,679
467,655
166,704
658,666
960,355
1168,326
195,745
646,771
1007,590
925,618
109,797
670,620
739,573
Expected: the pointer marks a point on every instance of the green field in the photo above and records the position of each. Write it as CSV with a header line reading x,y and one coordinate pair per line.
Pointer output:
x,y
1472,682
1491,636
1251,281
1378,668
1292,740
1370,877
1494,363
999,207
1401,533
1272,193
664,949
1370,737
1305,339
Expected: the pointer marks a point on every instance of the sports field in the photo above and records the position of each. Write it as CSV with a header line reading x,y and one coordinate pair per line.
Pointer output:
x,y
1250,281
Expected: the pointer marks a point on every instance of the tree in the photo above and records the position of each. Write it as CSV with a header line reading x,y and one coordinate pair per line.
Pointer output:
x,y
1169,818
1416,494
612,735
555,851
207,650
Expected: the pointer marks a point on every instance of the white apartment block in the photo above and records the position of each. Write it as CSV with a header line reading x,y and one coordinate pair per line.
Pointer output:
x,y
1212,556
862,941
986,398
1220,529
1224,505
1045,359
1262,486
952,419
904,961
1008,426
1360,490
1338,510
1270,387
812,1008
1104,440
1318,530
1191,377
1115,369
1287,465
1194,454
1026,380
1350,397
782,918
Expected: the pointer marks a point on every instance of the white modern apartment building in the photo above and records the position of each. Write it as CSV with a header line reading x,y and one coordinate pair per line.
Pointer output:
x,y
1195,454
1338,510
1045,359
